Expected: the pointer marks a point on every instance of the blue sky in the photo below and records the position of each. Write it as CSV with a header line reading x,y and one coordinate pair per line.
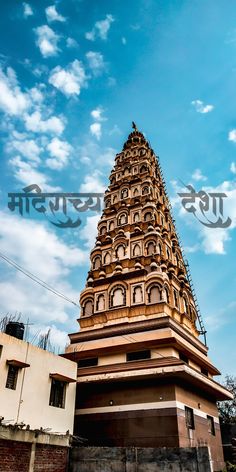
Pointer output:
x,y
73,76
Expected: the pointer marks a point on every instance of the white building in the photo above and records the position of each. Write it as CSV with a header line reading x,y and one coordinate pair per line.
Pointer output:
x,y
37,388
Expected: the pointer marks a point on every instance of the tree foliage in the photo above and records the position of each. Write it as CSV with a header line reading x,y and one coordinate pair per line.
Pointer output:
x,y
227,408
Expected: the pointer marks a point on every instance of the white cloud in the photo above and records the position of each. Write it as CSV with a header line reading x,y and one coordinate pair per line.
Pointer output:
x,y
212,240
123,40
47,41
93,183
70,80
27,148
95,62
97,114
27,174
232,135
36,95
27,10
35,123
12,100
198,176
53,15
100,29
59,151
89,232
40,251
233,167
93,154
96,130
71,43
200,107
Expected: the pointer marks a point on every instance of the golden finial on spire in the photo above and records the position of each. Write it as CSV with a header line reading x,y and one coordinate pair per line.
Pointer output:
x,y
134,126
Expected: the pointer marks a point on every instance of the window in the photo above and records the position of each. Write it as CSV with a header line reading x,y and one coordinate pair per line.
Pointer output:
x,y
12,377
97,262
138,355
176,299
204,371
136,217
166,295
118,297
137,294
189,418
150,248
120,251
145,190
111,225
88,308
124,193
211,426
136,192
57,394
136,250
183,357
103,230
100,305
122,219
143,169
90,362
107,258
154,295
147,216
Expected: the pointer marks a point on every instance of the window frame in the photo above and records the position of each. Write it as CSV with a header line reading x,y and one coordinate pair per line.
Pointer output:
x,y
11,383
58,388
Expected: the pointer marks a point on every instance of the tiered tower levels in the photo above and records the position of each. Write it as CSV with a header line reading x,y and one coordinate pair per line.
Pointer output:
x,y
137,265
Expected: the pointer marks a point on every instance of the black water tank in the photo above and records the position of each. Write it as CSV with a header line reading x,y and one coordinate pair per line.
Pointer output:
x,y
15,329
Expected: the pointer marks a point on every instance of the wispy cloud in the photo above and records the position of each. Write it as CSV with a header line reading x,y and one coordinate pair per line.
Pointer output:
x,y
35,123
100,29
69,80
233,167
96,130
47,41
27,148
12,100
95,62
53,15
198,176
232,135
27,10
27,173
59,151
200,107
97,114
71,43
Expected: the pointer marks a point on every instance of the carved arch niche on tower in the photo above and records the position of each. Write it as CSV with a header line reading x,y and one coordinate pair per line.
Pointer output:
x,y
100,301
122,218
136,216
137,294
87,306
136,191
154,290
96,262
150,247
120,251
117,295
185,304
124,193
107,258
136,249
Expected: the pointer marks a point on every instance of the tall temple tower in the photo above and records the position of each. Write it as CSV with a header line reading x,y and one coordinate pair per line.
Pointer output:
x,y
144,376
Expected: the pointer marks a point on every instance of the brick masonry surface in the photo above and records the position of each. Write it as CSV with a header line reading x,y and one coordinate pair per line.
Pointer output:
x,y
15,457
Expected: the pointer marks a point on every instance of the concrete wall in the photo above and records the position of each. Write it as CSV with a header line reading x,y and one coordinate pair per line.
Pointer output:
x,y
104,459
29,402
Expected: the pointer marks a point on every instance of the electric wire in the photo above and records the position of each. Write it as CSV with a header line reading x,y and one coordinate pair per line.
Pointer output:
x,y
36,279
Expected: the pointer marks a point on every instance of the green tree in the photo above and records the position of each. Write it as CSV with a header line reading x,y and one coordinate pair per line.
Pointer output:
x,y
227,408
